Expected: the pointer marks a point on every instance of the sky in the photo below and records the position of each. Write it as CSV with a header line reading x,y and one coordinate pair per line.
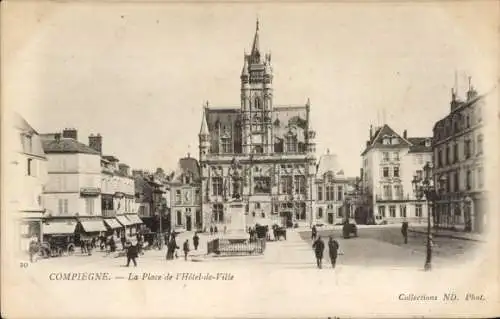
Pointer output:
x,y
138,74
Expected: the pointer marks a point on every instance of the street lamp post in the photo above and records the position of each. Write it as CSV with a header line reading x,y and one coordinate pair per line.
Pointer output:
x,y
424,186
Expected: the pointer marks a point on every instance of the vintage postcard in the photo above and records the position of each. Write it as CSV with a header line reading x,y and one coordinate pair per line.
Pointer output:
x,y
166,159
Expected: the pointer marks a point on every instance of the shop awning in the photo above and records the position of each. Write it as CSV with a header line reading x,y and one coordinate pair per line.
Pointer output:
x,y
134,219
112,223
93,226
124,220
59,227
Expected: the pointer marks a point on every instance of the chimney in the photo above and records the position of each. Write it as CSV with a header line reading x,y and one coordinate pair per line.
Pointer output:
x,y
367,143
371,132
405,134
361,173
57,137
70,133
95,142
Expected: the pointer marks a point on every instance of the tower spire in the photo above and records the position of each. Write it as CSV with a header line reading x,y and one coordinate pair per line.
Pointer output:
x,y
255,46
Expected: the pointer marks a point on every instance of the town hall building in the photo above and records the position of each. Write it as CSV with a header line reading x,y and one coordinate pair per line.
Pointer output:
x,y
259,153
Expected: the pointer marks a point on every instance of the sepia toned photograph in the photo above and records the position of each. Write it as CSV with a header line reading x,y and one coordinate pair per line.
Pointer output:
x,y
250,159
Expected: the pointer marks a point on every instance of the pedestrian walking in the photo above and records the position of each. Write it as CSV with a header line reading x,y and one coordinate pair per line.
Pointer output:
x,y
196,240
319,247
83,246
211,230
314,232
33,249
112,244
123,241
333,248
404,231
185,248
89,247
131,253
171,247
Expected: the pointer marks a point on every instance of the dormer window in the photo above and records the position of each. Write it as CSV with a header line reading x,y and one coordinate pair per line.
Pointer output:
x,y
394,140
386,140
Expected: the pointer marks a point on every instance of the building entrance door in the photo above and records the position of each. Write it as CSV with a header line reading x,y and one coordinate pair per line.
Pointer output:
x,y
188,223
330,218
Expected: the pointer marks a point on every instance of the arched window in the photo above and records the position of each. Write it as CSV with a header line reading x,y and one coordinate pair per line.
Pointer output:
x,y
258,103
291,144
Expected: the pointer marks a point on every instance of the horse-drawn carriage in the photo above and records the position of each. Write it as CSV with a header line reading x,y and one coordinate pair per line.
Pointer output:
x,y
278,232
56,246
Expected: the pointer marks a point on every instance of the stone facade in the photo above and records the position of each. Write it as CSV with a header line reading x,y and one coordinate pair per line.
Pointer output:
x,y
389,163
331,187
28,167
185,196
459,162
260,153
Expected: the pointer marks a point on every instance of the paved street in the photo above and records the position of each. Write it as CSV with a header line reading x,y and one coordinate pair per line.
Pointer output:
x,y
385,247
271,284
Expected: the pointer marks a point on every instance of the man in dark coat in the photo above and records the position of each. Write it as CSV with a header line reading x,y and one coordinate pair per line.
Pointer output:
x,y
319,247
185,248
171,247
333,248
196,241
132,253
404,231
314,233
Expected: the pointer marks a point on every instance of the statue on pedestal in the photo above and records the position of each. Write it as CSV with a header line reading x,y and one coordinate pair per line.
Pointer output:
x,y
236,176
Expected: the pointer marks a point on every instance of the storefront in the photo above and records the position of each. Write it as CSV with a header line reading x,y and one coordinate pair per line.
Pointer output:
x,y
112,226
90,228
136,223
56,227
29,229
128,228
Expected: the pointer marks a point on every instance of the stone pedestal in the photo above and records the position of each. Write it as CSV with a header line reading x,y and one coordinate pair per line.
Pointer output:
x,y
236,227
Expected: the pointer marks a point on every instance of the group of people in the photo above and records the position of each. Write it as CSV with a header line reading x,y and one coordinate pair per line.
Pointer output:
x,y
172,246
319,247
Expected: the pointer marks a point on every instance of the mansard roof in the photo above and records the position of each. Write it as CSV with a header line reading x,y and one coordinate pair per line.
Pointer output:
x,y
187,165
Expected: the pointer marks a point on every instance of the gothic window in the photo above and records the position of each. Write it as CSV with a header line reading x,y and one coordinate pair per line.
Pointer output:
x,y
262,184
258,103
278,146
218,213
217,186
226,145
300,184
286,185
291,144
